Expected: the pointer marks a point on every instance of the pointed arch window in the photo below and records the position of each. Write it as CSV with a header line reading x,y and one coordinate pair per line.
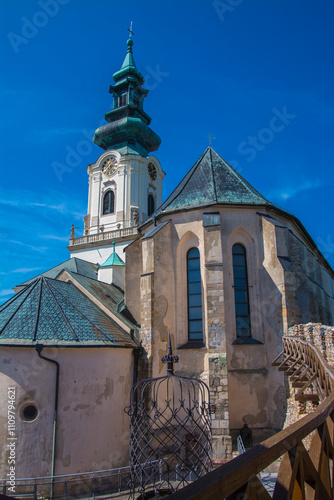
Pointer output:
x,y
150,204
194,293
241,293
109,203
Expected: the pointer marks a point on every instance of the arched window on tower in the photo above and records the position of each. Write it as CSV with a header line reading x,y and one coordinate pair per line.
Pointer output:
x,y
194,295
241,296
123,99
108,203
150,204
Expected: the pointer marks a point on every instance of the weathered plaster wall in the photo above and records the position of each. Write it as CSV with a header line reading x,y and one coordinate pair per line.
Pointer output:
x,y
133,271
244,387
256,389
315,297
92,429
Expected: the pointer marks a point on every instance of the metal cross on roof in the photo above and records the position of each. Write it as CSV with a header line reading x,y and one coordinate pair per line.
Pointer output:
x,y
211,138
130,29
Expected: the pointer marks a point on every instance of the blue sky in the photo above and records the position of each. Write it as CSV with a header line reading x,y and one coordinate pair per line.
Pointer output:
x,y
256,74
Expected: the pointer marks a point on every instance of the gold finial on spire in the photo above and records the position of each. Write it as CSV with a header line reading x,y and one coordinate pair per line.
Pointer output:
x,y
130,29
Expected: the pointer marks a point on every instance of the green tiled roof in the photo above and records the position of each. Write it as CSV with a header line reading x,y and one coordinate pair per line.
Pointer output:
x,y
211,181
108,294
74,264
113,259
56,313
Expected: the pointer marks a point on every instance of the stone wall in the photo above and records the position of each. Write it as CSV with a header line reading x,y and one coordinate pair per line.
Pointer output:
x,y
222,443
322,337
319,335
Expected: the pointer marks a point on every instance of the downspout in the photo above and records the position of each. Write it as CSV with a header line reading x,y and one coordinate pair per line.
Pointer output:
x,y
39,348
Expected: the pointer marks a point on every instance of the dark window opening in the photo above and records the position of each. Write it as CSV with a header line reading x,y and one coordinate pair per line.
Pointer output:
x,y
211,219
241,297
194,295
122,100
136,100
108,203
150,205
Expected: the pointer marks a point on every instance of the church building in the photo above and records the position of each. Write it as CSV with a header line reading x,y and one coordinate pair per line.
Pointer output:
x,y
216,265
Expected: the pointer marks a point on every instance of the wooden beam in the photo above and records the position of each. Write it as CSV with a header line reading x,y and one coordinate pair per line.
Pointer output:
x,y
225,480
307,397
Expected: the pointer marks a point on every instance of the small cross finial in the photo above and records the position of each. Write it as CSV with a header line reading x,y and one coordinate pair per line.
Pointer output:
x,y
170,358
211,138
130,29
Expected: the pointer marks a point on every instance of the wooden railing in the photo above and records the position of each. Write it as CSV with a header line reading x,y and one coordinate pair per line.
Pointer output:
x,y
303,473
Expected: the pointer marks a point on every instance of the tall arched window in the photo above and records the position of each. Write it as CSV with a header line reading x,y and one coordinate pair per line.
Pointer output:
x,y
108,203
150,204
194,292
241,297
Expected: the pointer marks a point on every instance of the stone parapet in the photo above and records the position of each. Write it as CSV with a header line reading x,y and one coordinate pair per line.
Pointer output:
x,y
322,337
319,335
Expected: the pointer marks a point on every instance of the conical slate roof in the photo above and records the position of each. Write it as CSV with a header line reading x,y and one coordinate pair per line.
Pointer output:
x,y
56,313
212,181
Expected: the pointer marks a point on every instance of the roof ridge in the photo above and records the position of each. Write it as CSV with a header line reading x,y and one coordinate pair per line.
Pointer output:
x,y
16,297
186,179
114,312
213,176
85,316
40,282
241,178
49,286
76,264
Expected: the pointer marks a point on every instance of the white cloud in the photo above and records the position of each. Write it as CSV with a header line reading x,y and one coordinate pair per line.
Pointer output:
x,y
21,270
52,200
31,247
292,190
26,269
4,293
54,237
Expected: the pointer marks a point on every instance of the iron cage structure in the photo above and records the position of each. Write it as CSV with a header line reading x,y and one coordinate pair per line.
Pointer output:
x,y
170,440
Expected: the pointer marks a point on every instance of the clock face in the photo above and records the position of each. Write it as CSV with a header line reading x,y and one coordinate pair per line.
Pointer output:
x,y
152,171
109,166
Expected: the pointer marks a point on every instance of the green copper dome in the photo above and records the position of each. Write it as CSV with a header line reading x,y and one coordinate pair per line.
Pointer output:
x,y
113,259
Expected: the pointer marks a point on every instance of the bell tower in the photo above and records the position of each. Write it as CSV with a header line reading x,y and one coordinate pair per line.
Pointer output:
x,y
125,182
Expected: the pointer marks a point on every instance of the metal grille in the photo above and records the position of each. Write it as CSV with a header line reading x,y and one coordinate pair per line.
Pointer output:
x,y
170,432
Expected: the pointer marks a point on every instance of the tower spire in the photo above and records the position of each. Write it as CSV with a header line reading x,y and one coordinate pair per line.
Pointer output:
x,y
128,129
